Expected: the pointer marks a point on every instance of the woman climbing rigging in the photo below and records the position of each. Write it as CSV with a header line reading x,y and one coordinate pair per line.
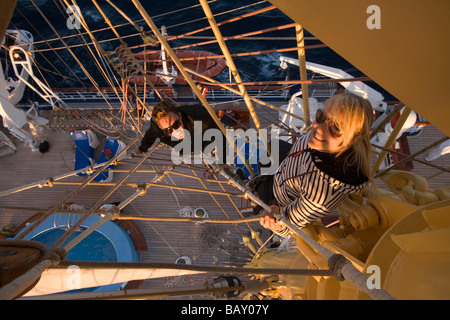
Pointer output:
x,y
322,167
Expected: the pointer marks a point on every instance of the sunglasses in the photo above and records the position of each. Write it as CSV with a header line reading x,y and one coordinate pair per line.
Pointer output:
x,y
322,118
175,125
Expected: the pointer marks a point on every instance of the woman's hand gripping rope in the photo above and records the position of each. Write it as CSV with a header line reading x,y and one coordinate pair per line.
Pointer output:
x,y
269,220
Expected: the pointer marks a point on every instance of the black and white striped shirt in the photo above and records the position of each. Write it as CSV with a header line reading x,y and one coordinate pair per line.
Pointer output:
x,y
306,192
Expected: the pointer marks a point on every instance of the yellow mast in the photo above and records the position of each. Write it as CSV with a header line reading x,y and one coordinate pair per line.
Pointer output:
x,y
402,45
7,9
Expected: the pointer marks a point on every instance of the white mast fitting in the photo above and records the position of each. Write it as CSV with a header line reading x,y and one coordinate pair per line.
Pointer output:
x,y
356,87
21,58
14,119
167,76
295,106
19,45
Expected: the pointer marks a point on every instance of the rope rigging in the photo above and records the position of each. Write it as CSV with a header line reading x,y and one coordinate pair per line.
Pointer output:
x,y
100,30
122,62
128,65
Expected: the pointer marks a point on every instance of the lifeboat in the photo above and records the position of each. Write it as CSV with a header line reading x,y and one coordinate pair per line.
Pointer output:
x,y
192,59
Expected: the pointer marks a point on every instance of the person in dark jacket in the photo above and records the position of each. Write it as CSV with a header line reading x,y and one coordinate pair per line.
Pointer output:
x,y
169,121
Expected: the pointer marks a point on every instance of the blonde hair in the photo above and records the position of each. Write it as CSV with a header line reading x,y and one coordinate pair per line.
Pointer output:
x,y
353,116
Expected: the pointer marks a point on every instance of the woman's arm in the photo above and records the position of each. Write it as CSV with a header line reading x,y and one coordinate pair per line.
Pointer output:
x,y
303,210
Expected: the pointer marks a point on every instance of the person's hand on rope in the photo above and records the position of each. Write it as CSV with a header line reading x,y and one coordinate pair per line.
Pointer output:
x,y
268,221
209,173
136,153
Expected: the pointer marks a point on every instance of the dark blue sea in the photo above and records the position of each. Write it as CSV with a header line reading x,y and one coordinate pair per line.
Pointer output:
x,y
179,17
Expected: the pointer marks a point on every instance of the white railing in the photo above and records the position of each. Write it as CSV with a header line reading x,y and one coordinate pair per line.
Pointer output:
x,y
71,96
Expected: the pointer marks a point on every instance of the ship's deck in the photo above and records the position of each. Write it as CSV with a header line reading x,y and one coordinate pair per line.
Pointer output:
x,y
205,244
